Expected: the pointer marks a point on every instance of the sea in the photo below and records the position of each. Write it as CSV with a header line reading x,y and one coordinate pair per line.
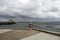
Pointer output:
x,y
24,25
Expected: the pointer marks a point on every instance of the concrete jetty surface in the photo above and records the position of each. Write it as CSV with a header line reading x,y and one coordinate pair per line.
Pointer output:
x,y
16,34
42,36
25,34
5,30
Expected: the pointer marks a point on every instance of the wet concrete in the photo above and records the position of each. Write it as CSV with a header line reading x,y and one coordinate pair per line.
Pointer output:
x,y
17,34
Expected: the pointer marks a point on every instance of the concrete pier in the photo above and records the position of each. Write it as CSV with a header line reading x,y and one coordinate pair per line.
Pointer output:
x,y
42,36
16,34
5,30
26,34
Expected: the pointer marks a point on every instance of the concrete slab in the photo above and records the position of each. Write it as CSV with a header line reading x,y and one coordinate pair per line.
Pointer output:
x,y
5,30
42,36
17,34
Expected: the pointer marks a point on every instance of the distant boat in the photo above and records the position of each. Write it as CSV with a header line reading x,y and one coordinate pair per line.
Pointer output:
x,y
10,22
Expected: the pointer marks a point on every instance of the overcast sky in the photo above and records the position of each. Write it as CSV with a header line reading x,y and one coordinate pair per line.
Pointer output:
x,y
31,8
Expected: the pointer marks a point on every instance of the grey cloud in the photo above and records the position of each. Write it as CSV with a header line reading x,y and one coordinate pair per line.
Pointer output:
x,y
54,9
32,9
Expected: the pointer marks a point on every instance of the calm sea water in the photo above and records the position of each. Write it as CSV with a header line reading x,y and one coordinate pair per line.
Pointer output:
x,y
24,25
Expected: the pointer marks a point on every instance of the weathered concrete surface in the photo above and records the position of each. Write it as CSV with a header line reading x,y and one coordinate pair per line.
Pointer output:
x,y
17,34
49,32
5,30
42,36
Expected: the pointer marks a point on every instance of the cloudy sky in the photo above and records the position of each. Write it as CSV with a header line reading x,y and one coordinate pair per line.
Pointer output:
x,y
30,9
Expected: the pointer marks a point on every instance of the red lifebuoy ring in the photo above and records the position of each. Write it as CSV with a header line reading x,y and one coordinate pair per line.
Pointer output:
x,y
30,25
